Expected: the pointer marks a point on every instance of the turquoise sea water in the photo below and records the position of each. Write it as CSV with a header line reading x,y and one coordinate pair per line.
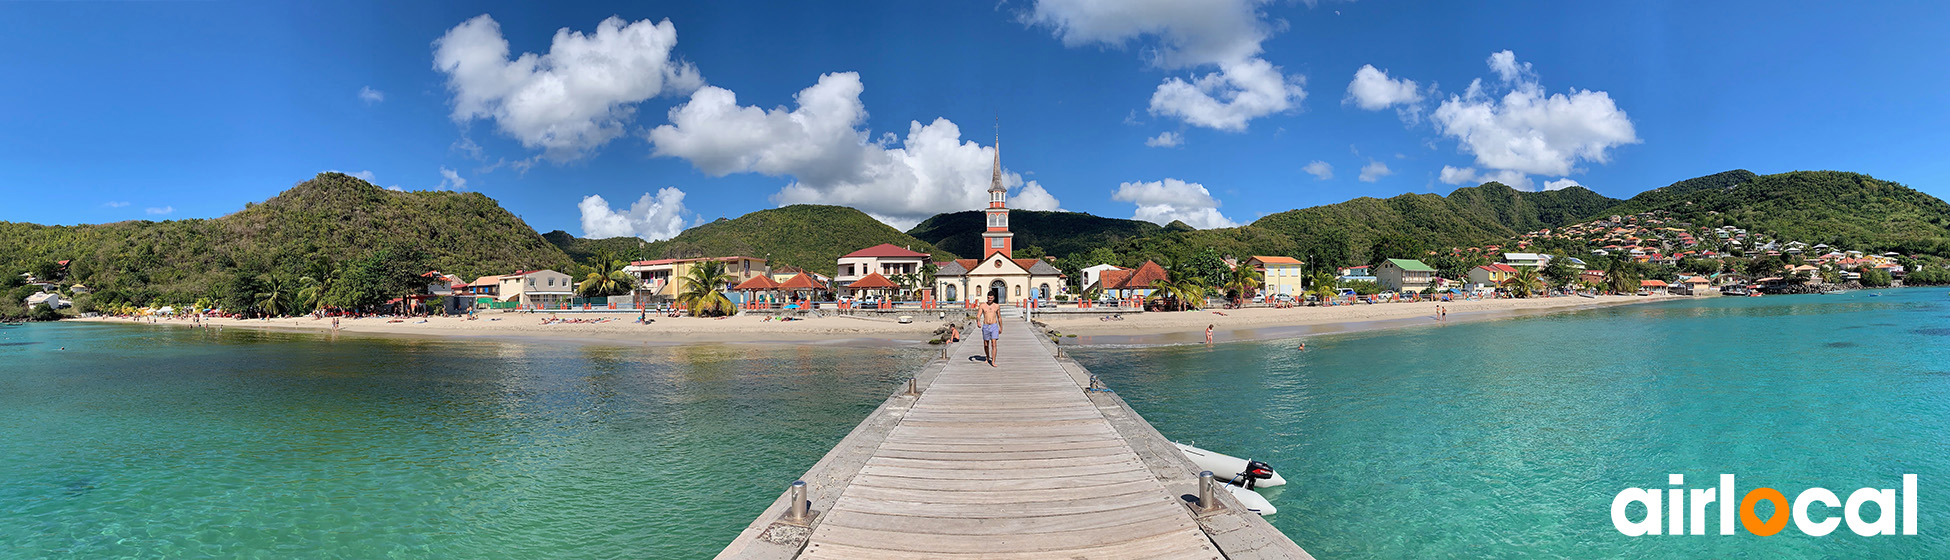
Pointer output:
x,y
1489,439
168,442
1510,438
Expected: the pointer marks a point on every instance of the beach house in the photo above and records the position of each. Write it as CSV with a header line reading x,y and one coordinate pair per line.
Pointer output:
x,y
1279,275
1356,274
886,259
537,288
1531,260
1132,283
658,280
1489,277
1654,287
1404,275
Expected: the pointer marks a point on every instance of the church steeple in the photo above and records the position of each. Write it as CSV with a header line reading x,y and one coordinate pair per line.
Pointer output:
x,y
997,238
995,176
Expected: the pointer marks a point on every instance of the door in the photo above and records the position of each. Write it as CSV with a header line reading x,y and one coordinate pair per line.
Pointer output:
x,y
999,291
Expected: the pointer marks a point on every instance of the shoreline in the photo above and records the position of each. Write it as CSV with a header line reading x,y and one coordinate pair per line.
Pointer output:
x,y
1141,329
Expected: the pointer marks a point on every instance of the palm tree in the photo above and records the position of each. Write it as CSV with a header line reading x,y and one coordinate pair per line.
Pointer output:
x,y
928,272
1523,282
698,290
276,296
311,294
1181,285
1242,279
606,276
1323,286
1621,278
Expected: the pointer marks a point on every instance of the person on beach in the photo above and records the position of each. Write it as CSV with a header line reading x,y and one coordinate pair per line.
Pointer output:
x,y
989,316
954,333
1208,333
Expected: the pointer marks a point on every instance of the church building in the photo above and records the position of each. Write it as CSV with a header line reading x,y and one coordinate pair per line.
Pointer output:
x,y
997,273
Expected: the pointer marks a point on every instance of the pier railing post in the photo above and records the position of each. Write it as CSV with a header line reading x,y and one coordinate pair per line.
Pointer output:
x,y
798,512
1206,502
914,386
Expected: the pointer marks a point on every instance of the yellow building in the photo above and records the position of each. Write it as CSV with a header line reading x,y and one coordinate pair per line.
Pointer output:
x,y
1279,275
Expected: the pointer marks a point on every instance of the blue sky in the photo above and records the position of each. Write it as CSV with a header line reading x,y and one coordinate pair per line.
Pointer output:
x,y
1212,112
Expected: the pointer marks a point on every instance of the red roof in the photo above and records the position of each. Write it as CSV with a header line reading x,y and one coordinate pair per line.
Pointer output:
x,y
802,281
1143,277
1652,283
873,281
760,282
884,250
1498,267
1277,260
1110,279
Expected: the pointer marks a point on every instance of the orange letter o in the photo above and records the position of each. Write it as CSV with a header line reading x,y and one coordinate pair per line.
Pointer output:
x,y
1774,524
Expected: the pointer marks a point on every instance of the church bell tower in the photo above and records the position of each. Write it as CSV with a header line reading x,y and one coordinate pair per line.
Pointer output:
x,y
997,239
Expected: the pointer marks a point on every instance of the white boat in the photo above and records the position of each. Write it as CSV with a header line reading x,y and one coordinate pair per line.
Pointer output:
x,y
1252,500
1223,466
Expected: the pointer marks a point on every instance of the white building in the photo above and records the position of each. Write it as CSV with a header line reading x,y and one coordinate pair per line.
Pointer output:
x,y
537,287
886,259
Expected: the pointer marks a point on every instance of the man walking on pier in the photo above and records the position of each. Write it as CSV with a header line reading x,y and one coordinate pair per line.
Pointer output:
x,y
989,316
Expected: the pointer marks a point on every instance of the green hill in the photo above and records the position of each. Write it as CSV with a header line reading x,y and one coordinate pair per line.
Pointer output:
x,y
803,235
1486,214
1842,209
315,226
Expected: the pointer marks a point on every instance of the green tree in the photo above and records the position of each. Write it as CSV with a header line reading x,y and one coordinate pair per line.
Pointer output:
x,y
1242,281
605,276
698,290
1396,246
1524,282
1207,267
1560,273
275,293
1875,277
1322,286
1622,276
43,313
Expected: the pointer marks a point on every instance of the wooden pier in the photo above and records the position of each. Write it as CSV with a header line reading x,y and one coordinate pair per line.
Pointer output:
x,y
1024,460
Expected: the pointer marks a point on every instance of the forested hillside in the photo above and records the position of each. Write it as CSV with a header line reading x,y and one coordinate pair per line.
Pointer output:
x,y
315,228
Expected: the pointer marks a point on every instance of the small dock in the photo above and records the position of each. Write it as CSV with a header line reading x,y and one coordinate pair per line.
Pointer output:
x,y
1025,460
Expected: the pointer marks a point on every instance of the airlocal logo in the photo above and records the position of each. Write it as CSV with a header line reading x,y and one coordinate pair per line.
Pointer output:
x,y
1677,511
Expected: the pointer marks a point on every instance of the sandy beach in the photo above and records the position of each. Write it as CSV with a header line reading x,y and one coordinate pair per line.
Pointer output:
x,y
1135,328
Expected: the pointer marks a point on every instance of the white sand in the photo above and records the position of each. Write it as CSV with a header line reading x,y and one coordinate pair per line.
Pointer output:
x,y
1235,324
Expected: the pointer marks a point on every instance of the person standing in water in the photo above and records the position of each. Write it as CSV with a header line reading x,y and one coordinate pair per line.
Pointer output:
x,y
1208,333
989,316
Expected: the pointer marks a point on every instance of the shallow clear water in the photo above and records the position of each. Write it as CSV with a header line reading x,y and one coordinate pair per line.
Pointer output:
x,y
169,442
1510,438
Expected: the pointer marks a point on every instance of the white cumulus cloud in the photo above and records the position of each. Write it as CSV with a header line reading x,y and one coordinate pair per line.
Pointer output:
x,y
1564,183
159,211
1166,139
1528,131
116,203
1374,171
832,160
1319,169
1161,202
371,96
1373,90
1222,34
574,98
652,218
1469,176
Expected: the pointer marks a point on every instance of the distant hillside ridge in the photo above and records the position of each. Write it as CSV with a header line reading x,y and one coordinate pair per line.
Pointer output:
x,y
328,220
1838,208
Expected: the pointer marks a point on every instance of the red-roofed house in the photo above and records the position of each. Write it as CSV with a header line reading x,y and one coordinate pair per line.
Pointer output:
x,y
1490,276
1654,287
1279,275
885,259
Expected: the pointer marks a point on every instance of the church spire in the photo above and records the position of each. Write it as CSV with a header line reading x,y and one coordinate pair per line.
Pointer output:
x,y
995,178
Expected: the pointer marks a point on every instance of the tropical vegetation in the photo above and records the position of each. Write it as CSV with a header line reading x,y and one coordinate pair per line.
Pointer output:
x,y
700,290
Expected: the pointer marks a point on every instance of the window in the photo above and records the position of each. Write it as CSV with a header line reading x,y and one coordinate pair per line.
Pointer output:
x,y
996,242
1019,290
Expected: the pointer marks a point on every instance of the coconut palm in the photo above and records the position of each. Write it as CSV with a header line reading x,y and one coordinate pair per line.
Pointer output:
x,y
1180,284
276,297
1621,277
1524,282
606,276
698,290
1323,287
1243,279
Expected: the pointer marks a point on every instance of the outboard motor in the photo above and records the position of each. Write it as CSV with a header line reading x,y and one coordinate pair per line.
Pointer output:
x,y
1255,471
